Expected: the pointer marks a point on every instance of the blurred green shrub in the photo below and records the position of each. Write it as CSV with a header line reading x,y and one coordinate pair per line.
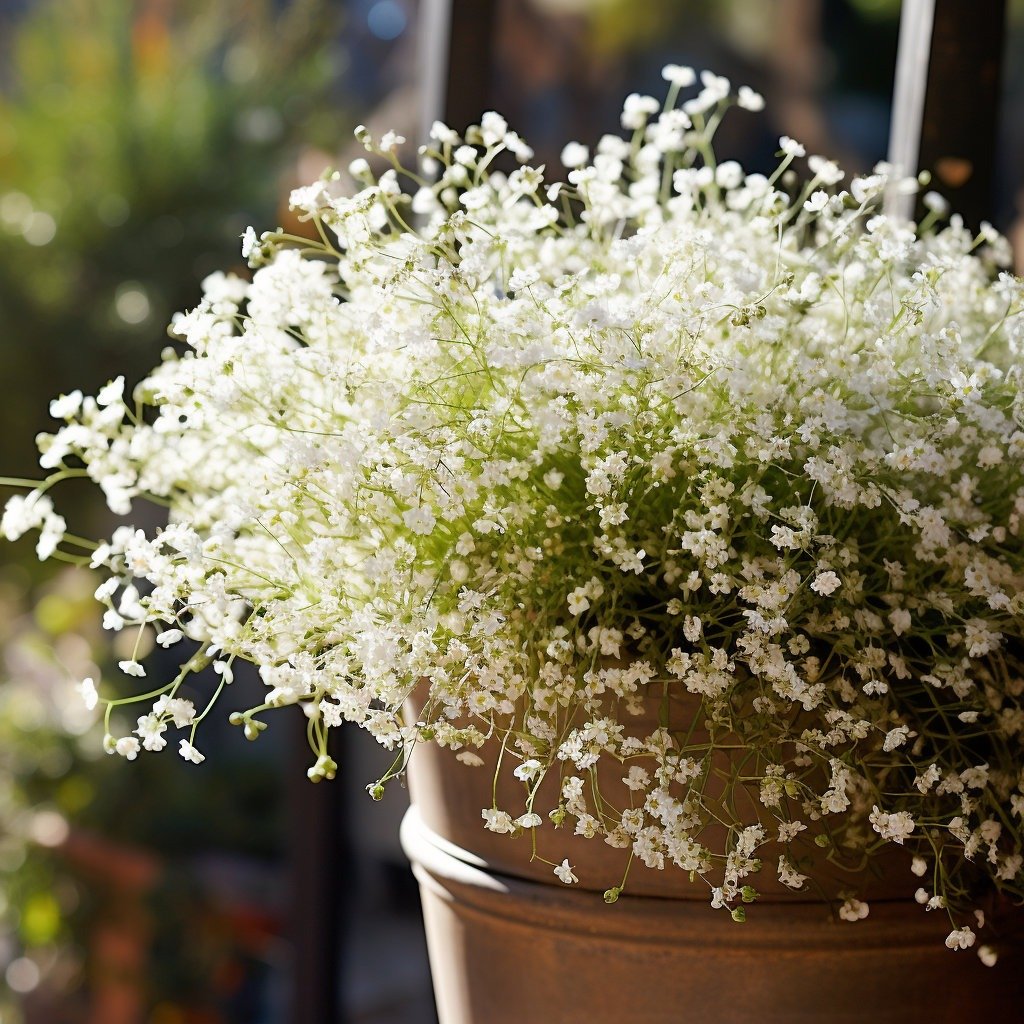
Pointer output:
x,y
137,141
40,722
81,839
138,138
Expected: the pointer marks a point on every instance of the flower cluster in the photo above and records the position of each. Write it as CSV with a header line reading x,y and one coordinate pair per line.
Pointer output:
x,y
662,428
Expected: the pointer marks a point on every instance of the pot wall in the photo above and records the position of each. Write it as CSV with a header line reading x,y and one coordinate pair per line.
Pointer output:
x,y
510,950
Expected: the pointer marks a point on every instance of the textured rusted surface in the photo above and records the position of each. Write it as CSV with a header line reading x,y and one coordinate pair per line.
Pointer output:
x,y
507,950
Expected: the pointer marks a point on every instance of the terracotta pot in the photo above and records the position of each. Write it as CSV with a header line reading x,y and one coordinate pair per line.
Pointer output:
x,y
507,950
509,943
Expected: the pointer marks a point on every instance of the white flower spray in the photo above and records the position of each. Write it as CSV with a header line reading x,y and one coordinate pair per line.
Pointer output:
x,y
662,427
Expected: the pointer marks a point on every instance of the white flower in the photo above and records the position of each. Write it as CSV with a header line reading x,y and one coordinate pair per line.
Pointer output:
x,y
565,873
442,133
574,155
528,770
637,109
182,711
896,738
637,779
22,514
497,821
467,757
896,826
826,583
789,876
151,731
189,752
901,621
493,128
748,99
420,520
522,278
729,174
854,910
50,536
826,171
168,637
790,147
66,406
111,392
678,75
359,168
960,938
390,141
987,955
817,201
132,668
250,242
127,747
87,690
717,84
529,820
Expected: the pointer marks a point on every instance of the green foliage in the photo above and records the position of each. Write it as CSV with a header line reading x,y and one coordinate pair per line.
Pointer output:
x,y
137,140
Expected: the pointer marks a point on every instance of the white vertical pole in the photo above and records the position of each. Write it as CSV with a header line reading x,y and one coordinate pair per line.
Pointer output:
x,y
917,18
435,43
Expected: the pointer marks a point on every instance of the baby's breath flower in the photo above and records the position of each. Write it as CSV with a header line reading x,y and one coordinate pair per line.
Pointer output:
x,y
896,826
665,434
87,690
564,873
826,171
817,201
151,731
169,637
189,752
748,99
390,141
574,155
790,147
825,583
497,821
637,109
127,747
854,910
960,938
679,75
66,406
529,820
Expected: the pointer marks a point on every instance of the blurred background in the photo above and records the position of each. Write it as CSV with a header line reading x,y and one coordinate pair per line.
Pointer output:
x,y
138,139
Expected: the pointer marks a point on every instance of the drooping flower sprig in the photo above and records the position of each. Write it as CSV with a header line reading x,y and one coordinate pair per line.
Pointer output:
x,y
547,448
